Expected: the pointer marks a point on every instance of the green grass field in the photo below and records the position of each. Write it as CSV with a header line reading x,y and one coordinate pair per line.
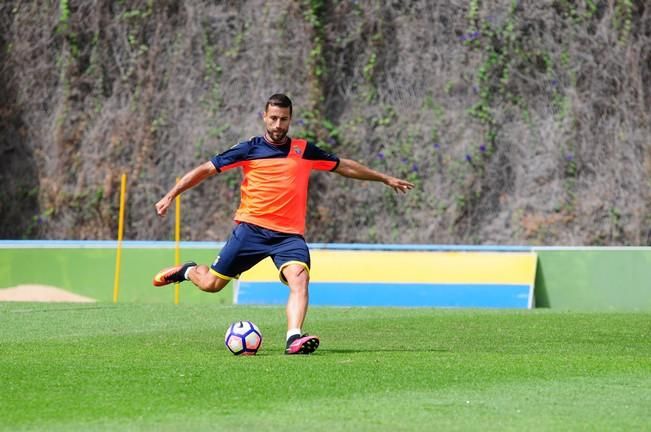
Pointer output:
x,y
66,367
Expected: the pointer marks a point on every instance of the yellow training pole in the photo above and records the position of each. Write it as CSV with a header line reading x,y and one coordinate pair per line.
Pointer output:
x,y
116,281
177,239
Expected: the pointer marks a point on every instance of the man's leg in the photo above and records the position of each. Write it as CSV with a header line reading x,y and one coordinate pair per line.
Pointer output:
x,y
241,252
200,275
206,280
298,279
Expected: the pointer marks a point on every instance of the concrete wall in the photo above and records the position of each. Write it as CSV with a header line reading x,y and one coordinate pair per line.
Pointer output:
x,y
599,279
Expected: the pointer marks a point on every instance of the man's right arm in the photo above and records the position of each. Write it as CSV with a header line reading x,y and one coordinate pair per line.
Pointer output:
x,y
354,169
189,180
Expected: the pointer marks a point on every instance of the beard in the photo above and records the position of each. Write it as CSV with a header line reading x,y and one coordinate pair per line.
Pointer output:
x,y
277,136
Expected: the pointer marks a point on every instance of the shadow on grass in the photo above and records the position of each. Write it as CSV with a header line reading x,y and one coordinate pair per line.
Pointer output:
x,y
381,350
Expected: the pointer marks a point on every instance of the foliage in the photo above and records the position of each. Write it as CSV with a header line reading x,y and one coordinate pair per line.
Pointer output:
x,y
501,112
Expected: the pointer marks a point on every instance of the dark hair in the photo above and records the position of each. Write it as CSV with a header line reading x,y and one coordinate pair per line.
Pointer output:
x,y
279,100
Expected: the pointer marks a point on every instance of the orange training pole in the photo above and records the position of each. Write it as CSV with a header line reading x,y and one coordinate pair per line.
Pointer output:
x,y
118,257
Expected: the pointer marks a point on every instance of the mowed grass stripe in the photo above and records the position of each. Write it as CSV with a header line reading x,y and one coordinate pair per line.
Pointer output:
x,y
164,367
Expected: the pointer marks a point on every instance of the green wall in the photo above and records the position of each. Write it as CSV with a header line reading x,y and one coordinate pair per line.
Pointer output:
x,y
91,273
574,279
594,279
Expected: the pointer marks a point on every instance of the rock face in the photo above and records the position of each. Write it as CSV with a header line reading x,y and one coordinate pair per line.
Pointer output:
x,y
519,122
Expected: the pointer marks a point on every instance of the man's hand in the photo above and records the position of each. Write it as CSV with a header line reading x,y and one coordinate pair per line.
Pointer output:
x,y
163,205
399,185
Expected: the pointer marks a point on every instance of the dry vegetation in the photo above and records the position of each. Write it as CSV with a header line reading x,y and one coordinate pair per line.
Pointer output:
x,y
521,122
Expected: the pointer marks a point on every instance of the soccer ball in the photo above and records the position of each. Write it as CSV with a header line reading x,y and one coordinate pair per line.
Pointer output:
x,y
243,338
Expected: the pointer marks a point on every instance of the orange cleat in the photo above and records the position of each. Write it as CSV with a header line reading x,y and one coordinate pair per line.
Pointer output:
x,y
172,274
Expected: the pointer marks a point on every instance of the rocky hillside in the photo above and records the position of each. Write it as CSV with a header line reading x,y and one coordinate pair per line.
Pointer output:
x,y
521,122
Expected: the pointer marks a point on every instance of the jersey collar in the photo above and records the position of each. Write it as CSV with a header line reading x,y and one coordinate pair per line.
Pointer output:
x,y
286,141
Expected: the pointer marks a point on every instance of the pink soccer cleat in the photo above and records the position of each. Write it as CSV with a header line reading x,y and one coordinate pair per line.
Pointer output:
x,y
302,344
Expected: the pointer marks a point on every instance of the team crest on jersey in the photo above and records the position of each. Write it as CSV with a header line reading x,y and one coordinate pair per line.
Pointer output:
x,y
297,150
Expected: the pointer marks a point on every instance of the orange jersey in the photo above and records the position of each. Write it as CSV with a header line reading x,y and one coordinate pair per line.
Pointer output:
x,y
276,177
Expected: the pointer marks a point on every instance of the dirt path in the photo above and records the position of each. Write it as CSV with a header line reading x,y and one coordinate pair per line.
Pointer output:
x,y
41,293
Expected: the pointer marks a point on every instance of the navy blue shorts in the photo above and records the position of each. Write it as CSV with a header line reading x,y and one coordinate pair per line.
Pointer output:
x,y
249,244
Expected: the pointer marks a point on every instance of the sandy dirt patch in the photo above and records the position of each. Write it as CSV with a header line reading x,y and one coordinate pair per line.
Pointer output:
x,y
41,293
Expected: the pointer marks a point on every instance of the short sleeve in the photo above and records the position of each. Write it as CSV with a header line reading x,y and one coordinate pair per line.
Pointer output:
x,y
322,160
231,158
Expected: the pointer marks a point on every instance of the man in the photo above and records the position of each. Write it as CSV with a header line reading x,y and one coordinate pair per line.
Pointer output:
x,y
270,221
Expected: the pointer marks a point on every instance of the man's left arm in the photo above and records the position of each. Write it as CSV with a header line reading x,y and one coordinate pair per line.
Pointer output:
x,y
355,170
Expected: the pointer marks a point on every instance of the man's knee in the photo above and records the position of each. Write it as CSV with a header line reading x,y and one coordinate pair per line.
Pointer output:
x,y
297,276
215,286
208,281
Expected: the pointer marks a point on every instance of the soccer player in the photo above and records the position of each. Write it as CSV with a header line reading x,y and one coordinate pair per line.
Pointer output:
x,y
270,221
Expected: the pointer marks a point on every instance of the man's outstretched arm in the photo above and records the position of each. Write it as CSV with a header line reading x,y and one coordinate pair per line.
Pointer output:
x,y
189,180
353,169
